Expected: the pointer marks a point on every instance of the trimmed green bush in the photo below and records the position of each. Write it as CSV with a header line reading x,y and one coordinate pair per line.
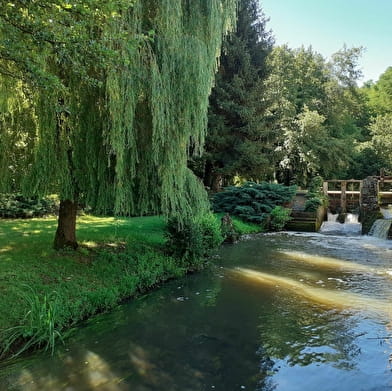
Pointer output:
x,y
253,201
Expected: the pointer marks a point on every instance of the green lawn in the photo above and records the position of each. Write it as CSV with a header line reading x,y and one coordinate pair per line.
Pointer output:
x,y
42,290
117,257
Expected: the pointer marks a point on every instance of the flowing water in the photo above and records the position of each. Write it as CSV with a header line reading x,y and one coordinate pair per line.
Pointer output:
x,y
350,227
380,228
282,312
387,212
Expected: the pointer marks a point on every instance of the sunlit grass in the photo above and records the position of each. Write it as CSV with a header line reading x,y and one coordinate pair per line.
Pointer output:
x,y
84,281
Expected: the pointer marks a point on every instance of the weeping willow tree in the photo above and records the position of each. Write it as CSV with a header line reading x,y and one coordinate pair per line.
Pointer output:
x,y
116,134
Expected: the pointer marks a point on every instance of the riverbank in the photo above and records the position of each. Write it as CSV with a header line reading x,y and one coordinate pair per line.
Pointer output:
x,y
44,292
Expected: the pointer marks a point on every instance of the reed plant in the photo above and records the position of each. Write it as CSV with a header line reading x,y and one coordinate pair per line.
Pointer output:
x,y
40,326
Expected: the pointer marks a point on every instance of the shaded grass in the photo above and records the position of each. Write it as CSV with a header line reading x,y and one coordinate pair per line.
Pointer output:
x,y
43,292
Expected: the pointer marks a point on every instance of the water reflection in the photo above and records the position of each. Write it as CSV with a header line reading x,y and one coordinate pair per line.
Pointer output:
x,y
326,262
270,316
330,298
93,373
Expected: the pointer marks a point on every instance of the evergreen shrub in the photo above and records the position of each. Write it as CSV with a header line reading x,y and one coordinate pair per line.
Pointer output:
x,y
17,206
253,201
312,204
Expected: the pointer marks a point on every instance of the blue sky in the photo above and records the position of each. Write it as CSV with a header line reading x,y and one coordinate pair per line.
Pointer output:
x,y
328,24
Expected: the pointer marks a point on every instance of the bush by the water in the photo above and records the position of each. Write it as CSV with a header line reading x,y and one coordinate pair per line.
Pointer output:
x,y
315,196
194,239
17,206
253,201
279,216
312,204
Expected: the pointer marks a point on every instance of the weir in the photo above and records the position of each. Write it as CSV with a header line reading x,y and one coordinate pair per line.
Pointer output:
x,y
343,195
369,198
350,226
350,195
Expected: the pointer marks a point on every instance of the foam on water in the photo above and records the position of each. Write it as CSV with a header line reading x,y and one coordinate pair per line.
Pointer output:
x,y
350,227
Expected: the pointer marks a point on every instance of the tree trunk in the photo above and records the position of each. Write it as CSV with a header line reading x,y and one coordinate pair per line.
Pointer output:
x,y
217,182
66,228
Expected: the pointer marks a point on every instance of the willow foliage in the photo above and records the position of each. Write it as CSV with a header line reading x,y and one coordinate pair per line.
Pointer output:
x,y
123,144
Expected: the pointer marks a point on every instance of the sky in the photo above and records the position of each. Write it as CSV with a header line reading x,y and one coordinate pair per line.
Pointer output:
x,y
327,25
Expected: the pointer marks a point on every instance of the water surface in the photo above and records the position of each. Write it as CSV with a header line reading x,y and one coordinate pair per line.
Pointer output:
x,y
281,312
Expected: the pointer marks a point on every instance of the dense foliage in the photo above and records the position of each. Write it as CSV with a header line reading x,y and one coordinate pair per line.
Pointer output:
x,y
235,143
99,100
315,195
253,201
315,110
284,114
193,240
18,206
278,218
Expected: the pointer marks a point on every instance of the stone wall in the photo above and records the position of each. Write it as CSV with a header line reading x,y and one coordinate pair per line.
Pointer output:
x,y
370,210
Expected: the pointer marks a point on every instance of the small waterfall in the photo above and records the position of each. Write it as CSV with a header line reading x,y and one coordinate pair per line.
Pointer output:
x,y
380,228
386,212
350,226
333,218
351,218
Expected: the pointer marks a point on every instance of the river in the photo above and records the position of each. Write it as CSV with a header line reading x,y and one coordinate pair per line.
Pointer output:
x,y
284,312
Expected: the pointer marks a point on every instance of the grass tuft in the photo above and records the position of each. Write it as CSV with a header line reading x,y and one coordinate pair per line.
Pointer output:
x,y
38,326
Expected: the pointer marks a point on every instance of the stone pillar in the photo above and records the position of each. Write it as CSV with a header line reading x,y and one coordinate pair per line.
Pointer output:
x,y
370,210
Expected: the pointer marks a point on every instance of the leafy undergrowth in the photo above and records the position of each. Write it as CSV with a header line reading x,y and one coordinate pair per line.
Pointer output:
x,y
44,292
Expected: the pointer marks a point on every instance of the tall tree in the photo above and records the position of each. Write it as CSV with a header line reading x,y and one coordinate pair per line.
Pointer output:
x,y
115,133
313,112
380,93
236,143
381,142
374,149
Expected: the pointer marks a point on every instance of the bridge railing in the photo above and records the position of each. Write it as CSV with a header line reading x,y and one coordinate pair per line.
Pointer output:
x,y
344,188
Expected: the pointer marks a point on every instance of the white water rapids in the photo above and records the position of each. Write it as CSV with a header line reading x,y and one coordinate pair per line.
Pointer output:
x,y
350,227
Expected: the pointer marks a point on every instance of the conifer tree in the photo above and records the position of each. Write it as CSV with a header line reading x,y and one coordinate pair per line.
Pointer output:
x,y
113,133
237,143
